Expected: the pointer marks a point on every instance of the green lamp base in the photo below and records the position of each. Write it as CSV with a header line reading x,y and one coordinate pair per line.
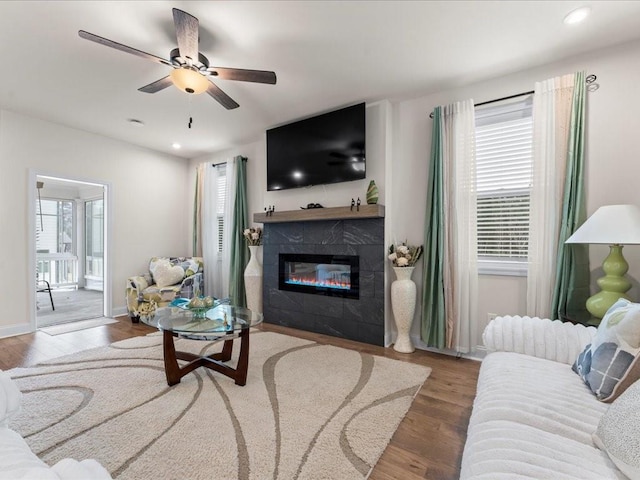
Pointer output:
x,y
613,285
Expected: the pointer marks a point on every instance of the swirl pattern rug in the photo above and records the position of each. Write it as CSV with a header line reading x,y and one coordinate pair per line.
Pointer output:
x,y
308,411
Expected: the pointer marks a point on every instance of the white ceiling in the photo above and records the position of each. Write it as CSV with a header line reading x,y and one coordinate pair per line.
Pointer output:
x,y
326,54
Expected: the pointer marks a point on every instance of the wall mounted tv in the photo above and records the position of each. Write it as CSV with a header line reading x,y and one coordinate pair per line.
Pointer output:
x,y
327,148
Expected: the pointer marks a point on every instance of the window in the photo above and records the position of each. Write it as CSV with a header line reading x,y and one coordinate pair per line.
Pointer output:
x,y
94,238
55,249
504,135
220,204
55,225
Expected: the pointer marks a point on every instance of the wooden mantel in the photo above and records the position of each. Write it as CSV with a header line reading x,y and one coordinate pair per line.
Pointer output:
x,y
315,214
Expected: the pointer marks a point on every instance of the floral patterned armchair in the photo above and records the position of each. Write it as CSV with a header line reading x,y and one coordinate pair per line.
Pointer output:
x,y
168,278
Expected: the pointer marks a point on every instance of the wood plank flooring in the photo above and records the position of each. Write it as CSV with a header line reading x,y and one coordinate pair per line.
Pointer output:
x,y
427,445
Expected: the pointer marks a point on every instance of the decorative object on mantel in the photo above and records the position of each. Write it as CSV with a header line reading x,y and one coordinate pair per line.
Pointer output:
x,y
403,293
253,271
269,211
311,206
372,193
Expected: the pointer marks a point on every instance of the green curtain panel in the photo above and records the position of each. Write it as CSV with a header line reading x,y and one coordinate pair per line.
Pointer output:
x,y
239,249
572,268
433,327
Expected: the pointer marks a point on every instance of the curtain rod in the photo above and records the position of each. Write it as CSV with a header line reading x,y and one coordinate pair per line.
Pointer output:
x,y
589,80
244,159
504,98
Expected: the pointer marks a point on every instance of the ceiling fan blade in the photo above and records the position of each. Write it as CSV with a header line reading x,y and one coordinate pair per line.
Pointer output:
x,y
258,76
157,85
187,34
123,48
225,100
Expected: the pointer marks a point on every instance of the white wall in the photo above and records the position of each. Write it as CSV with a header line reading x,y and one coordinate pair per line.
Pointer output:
x,y
149,204
612,153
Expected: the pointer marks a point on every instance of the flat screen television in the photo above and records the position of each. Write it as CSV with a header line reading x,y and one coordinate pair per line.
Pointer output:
x,y
327,148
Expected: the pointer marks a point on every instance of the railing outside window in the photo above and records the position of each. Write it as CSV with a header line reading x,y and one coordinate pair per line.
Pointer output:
x,y
59,269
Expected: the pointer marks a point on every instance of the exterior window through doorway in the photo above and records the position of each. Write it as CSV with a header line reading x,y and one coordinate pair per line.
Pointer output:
x,y
94,244
54,242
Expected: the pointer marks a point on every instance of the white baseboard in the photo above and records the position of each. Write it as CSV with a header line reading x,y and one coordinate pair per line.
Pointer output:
x,y
13,330
479,353
117,312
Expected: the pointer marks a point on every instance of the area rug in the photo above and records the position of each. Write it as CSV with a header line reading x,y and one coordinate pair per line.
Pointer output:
x,y
308,411
75,326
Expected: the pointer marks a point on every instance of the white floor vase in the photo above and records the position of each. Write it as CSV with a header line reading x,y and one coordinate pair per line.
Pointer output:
x,y
253,281
403,304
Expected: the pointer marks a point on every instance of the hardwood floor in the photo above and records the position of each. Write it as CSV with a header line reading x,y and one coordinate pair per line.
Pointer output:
x,y
428,443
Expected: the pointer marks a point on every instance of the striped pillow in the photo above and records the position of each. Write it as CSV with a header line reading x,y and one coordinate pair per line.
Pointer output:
x,y
610,363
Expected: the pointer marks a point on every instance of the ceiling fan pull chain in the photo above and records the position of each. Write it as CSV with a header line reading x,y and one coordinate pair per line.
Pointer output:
x,y
189,108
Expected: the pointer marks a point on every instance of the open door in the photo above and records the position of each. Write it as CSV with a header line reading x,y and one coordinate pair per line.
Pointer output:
x,y
70,241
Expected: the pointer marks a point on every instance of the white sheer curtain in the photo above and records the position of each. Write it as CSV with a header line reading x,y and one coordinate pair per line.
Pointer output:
x,y
551,121
460,236
217,204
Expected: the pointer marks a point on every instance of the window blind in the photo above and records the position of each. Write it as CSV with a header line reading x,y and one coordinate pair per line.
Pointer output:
x,y
220,204
503,180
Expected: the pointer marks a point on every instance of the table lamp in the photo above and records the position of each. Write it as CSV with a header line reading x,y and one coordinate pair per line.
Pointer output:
x,y
614,225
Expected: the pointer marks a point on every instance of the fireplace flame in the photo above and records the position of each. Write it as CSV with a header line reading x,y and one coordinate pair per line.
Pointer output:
x,y
311,281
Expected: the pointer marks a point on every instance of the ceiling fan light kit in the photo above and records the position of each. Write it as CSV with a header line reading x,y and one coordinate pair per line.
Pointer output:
x,y
191,71
189,81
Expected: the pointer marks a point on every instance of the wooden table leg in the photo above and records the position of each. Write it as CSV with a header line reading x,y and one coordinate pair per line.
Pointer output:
x,y
243,359
174,372
171,367
227,350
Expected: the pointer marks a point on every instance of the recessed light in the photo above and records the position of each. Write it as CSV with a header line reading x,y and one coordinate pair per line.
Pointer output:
x,y
297,174
577,15
176,146
135,122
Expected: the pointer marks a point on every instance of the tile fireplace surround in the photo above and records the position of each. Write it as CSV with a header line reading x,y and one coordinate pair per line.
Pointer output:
x,y
359,319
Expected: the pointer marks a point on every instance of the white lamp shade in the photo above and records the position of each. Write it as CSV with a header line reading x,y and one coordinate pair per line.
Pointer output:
x,y
610,225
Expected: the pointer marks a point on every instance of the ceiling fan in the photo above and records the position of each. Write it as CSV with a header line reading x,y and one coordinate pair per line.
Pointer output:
x,y
191,71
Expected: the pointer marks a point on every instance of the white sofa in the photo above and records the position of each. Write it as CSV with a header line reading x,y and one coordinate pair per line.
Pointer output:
x,y
533,417
18,462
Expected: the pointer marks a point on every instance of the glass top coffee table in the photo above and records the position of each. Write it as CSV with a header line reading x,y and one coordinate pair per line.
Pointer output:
x,y
220,323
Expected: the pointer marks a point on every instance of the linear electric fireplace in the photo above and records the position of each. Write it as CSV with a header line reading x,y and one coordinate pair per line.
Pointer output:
x,y
333,275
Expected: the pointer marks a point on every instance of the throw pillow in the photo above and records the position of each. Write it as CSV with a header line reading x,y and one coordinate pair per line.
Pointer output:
x,y
607,365
190,265
617,432
166,274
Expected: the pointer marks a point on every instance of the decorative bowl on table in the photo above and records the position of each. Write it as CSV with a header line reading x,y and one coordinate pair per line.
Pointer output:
x,y
198,312
198,306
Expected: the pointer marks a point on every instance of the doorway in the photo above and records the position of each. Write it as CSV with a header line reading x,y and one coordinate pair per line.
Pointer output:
x,y
70,240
